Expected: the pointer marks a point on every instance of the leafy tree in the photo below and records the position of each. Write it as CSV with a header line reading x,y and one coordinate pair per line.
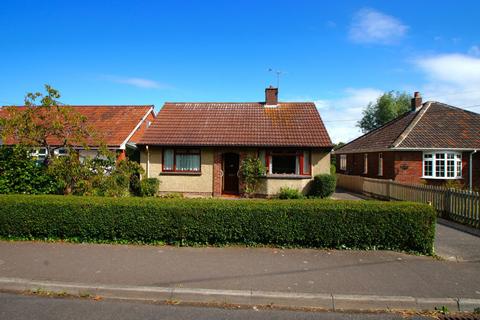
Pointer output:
x,y
388,106
49,124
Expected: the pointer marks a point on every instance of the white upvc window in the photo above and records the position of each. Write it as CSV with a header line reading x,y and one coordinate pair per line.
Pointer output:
x,y
365,163
61,152
442,165
343,162
380,164
39,154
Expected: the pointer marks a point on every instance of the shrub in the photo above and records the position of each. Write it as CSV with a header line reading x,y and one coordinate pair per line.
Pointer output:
x,y
306,223
172,195
251,169
290,193
20,173
323,185
333,169
149,187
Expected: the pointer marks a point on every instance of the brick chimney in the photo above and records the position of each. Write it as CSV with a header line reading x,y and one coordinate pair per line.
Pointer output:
x,y
271,96
416,101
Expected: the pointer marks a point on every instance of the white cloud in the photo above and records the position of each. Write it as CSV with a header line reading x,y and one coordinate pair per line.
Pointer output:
x,y
474,51
372,26
341,115
452,78
137,82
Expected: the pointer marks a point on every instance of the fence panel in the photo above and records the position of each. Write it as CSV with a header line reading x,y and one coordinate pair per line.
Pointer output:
x,y
459,205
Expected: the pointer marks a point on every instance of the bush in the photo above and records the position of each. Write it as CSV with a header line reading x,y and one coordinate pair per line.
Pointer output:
x,y
323,185
149,187
172,195
20,173
290,193
306,223
251,170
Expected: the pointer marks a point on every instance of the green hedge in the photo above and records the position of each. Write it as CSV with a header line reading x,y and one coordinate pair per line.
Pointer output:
x,y
305,223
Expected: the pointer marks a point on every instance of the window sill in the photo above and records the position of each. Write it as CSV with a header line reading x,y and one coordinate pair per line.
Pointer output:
x,y
180,173
442,178
287,176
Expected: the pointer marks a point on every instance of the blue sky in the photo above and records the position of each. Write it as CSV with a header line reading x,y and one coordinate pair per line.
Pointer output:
x,y
339,54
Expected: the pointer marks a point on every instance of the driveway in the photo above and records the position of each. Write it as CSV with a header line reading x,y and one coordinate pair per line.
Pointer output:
x,y
454,244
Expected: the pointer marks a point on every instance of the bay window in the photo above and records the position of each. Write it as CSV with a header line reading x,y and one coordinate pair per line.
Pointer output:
x,y
442,164
181,160
285,162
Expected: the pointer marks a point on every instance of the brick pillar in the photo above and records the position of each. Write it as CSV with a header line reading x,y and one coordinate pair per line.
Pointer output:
x,y
241,186
217,174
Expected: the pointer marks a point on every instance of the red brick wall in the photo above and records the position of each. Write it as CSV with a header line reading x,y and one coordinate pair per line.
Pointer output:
x,y
217,173
405,166
355,165
408,166
475,171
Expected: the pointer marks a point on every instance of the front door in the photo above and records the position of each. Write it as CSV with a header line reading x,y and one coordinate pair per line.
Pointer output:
x,y
231,163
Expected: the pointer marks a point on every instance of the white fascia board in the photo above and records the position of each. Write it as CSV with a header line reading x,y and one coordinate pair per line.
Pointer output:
x,y
123,145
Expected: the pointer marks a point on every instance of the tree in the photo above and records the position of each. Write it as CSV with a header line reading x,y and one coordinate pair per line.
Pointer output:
x,y
49,124
388,106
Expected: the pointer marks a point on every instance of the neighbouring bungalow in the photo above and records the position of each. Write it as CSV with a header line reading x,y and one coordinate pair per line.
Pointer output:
x,y
196,148
119,127
433,143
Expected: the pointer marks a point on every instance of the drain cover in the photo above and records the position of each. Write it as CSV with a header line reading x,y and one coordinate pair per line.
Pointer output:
x,y
460,317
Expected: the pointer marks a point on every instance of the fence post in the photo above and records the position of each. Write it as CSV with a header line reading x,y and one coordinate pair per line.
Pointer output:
x,y
448,202
389,182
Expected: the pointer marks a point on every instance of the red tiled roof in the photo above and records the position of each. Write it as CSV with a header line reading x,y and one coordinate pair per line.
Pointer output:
x,y
113,123
444,126
435,125
238,124
380,138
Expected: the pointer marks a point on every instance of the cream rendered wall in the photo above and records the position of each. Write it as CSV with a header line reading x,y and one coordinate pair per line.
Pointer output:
x,y
320,164
174,182
204,183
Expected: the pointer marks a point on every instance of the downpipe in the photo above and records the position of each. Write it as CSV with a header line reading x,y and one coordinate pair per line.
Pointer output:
x,y
470,174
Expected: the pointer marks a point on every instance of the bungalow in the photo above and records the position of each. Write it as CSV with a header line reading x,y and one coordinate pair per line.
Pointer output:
x,y
433,143
197,148
119,127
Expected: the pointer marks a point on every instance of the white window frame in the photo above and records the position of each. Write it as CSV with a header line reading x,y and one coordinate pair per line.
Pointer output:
x,y
343,162
61,152
39,154
448,156
365,163
380,164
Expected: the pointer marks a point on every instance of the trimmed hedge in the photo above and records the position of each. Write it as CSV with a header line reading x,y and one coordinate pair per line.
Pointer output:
x,y
306,223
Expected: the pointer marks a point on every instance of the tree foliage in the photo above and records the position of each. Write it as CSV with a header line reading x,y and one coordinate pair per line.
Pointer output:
x,y
99,176
388,106
20,173
52,125
44,122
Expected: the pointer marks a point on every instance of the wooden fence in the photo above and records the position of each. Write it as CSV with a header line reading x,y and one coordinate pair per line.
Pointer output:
x,y
459,205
